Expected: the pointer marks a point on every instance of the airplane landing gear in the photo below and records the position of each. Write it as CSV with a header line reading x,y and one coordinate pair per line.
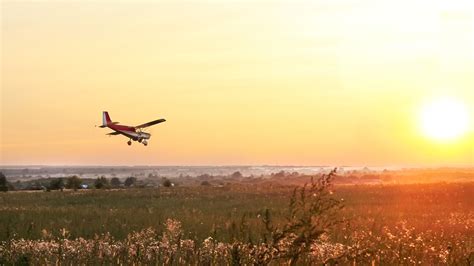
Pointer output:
x,y
145,142
129,142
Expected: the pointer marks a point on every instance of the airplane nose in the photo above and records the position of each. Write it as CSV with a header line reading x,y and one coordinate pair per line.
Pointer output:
x,y
144,135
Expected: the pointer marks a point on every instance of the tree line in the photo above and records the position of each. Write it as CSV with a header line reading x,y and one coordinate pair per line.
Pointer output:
x,y
76,183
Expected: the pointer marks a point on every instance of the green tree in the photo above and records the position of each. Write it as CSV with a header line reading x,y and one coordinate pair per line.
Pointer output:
x,y
56,184
115,182
101,182
73,182
3,182
130,181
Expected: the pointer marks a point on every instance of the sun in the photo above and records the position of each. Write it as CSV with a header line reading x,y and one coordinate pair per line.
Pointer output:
x,y
444,119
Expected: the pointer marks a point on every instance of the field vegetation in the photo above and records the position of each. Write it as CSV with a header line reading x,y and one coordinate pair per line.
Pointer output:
x,y
264,222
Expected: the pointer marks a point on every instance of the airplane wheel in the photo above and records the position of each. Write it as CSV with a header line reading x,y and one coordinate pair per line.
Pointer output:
x,y
129,143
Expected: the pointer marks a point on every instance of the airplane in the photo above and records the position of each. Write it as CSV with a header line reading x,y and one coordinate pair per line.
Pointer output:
x,y
133,133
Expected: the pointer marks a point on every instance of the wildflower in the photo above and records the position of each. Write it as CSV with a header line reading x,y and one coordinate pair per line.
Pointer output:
x,y
64,232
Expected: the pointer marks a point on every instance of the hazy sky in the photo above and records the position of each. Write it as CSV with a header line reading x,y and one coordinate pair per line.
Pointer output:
x,y
306,83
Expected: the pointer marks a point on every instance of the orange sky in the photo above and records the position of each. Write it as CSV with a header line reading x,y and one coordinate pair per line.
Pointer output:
x,y
318,82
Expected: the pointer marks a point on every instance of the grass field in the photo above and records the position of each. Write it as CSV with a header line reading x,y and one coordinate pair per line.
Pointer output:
x,y
415,223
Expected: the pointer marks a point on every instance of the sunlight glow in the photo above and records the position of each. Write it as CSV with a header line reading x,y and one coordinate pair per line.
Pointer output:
x,y
444,119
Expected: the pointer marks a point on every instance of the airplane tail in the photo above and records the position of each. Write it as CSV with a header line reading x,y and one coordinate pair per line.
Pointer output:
x,y
105,119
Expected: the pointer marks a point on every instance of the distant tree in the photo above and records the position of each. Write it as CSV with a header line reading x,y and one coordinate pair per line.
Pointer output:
x,y
3,183
18,185
167,182
101,183
115,182
279,174
56,184
205,183
73,182
35,186
236,175
130,181
203,177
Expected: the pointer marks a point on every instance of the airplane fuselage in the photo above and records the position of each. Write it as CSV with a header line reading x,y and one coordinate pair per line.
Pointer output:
x,y
130,132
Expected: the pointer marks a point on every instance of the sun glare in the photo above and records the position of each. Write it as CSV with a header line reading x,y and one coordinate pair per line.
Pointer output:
x,y
444,119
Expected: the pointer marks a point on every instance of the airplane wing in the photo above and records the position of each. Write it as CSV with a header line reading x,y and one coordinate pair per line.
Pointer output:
x,y
151,123
113,133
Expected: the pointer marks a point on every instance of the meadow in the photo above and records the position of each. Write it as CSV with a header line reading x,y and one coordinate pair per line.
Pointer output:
x,y
384,224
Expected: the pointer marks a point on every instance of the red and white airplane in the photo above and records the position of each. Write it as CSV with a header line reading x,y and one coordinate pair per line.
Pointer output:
x,y
133,133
